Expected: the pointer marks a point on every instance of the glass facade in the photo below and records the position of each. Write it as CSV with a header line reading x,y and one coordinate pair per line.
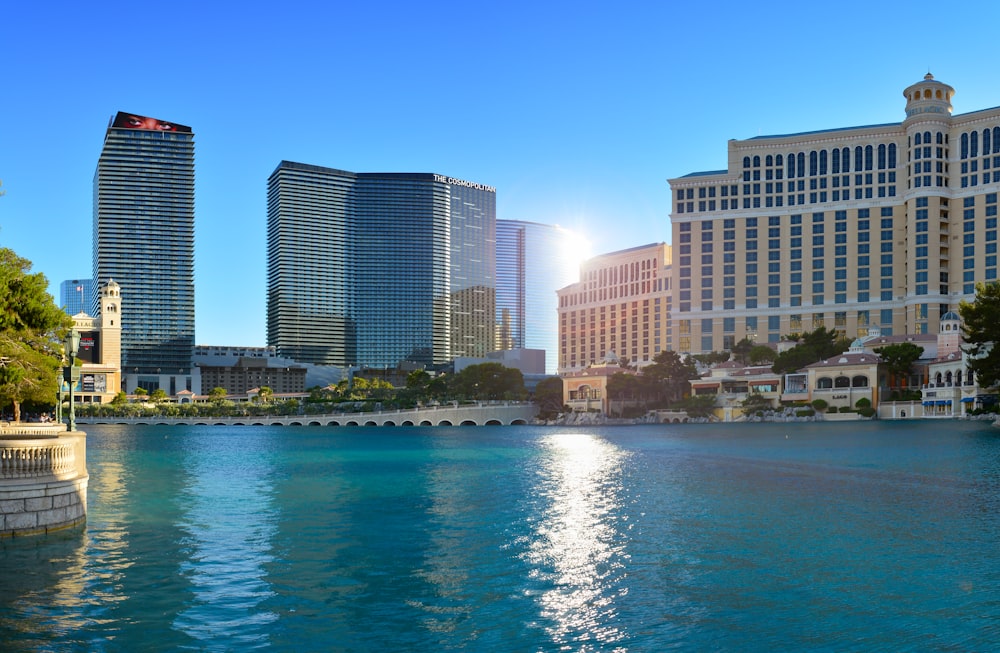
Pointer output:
x,y
376,269
144,240
533,262
77,296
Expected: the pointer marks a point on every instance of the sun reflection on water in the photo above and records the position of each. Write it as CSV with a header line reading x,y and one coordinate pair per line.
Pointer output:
x,y
578,551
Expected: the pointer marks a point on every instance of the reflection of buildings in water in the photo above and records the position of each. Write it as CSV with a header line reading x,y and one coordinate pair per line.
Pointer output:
x,y
448,557
41,589
578,549
54,590
230,521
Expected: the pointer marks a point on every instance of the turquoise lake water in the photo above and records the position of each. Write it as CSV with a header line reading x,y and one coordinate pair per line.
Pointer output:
x,y
763,537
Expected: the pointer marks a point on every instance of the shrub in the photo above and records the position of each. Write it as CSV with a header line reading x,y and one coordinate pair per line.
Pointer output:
x,y
864,402
805,412
846,409
819,404
866,411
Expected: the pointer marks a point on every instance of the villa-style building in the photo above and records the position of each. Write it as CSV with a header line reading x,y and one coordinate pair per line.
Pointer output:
x,y
951,389
587,390
732,382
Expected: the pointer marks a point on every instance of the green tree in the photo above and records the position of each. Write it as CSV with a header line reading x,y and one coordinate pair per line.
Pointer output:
x,y
813,347
266,393
898,359
159,396
417,379
217,394
756,402
761,354
142,393
622,387
548,396
712,358
742,349
980,330
489,381
669,375
120,399
440,386
31,332
698,405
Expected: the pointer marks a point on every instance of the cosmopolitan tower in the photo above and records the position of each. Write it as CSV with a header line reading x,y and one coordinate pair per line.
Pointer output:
x,y
379,269
144,241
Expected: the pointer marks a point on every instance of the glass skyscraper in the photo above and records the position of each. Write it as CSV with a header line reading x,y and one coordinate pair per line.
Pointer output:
x,y
77,296
377,269
144,241
533,262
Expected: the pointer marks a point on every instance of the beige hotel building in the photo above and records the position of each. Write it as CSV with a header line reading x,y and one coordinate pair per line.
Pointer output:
x,y
620,306
889,225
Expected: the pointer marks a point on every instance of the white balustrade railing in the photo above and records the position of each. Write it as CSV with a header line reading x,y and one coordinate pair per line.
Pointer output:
x,y
26,459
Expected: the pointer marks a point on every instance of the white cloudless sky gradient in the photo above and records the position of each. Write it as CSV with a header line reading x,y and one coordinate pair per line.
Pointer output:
x,y
577,112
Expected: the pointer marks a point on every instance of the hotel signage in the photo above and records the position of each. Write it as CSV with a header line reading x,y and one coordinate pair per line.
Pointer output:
x,y
461,182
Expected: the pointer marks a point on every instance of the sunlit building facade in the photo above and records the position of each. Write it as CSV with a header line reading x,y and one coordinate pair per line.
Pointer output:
x,y
143,238
618,310
379,269
533,262
889,225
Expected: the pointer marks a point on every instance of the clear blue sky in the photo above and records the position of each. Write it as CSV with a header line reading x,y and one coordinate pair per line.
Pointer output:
x,y
577,112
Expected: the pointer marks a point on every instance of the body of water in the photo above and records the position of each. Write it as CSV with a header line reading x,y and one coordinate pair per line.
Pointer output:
x,y
858,536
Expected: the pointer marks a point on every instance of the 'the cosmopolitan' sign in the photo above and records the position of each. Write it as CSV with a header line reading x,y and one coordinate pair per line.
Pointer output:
x,y
461,182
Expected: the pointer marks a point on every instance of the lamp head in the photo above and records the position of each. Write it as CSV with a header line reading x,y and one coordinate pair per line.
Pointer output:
x,y
72,344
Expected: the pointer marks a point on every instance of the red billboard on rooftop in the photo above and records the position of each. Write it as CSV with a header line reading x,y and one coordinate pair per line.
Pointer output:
x,y
134,121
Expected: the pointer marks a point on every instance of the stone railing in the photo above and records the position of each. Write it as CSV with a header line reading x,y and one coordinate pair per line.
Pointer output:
x,y
37,458
43,478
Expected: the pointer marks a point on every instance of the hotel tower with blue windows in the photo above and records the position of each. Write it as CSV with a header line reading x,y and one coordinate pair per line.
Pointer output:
x,y
889,225
379,269
143,240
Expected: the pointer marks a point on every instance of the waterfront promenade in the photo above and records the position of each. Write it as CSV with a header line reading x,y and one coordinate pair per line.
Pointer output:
x,y
483,414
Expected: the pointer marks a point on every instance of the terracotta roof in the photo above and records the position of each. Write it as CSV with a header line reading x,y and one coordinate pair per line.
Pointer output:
x,y
847,359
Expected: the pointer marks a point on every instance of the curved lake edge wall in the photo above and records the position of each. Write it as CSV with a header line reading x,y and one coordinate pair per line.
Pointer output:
x,y
43,479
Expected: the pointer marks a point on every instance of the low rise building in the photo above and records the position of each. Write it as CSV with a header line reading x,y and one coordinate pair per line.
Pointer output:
x,y
100,349
250,372
587,390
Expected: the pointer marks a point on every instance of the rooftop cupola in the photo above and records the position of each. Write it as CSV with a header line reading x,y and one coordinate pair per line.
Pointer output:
x,y
928,97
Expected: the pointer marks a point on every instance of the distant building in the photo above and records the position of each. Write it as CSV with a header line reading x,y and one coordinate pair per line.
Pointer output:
x,y
378,269
533,262
77,296
219,358
621,303
100,348
952,389
144,240
586,390
732,382
249,372
842,228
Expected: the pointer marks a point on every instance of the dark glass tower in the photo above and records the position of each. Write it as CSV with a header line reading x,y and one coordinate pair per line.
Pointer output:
x,y
144,241
377,269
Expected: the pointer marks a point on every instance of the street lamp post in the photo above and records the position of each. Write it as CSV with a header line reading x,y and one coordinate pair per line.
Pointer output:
x,y
72,348
60,393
